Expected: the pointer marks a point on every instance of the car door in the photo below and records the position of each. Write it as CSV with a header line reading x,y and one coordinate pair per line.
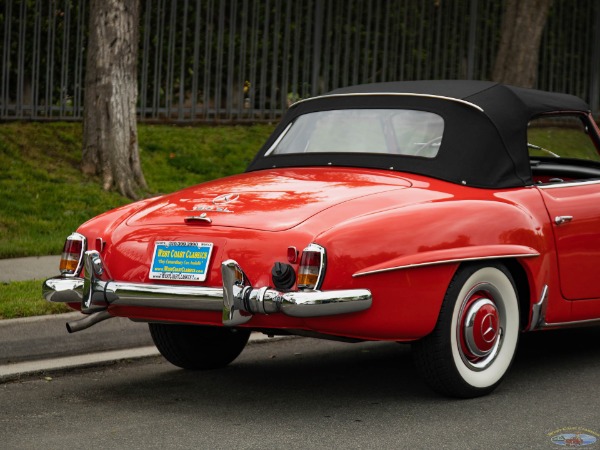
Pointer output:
x,y
566,165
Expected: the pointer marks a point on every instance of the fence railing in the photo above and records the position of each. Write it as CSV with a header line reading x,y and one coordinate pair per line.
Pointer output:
x,y
248,60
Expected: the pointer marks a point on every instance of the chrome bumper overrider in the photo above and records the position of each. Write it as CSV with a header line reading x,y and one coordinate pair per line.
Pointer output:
x,y
237,300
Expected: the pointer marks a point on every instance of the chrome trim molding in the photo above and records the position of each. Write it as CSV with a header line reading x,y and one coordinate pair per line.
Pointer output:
x,y
566,184
392,94
195,219
538,311
77,237
469,328
241,300
574,323
61,290
97,291
560,220
486,358
237,300
538,316
446,261
312,247
278,140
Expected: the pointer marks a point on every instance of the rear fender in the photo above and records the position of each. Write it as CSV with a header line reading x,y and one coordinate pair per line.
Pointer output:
x,y
407,256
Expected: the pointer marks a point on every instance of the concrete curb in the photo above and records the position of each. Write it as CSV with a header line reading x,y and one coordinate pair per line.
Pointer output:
x,y
11,372
16,371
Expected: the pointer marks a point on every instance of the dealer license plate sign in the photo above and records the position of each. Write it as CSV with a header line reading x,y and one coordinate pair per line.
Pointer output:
x,y
183,261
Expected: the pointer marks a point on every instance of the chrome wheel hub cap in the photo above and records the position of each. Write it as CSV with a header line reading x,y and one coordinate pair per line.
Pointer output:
x,y
481,327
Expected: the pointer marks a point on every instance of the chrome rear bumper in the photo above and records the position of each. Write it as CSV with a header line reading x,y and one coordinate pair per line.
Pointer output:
x,y
237,300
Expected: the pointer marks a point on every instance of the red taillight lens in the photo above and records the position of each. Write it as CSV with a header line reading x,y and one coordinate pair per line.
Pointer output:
x,y
312,267
292,255
72,254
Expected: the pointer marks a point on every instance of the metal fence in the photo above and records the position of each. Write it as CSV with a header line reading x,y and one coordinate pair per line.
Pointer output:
x,y
248,60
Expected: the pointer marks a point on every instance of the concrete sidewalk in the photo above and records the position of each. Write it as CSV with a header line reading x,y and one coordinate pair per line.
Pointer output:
x,y
30,268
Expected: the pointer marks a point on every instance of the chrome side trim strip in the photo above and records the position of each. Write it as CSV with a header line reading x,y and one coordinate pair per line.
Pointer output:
x,y
446,261
567,184
575,323
538,316
393,94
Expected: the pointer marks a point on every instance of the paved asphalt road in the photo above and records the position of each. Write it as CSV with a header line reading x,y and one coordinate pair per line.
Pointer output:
x,y
296,393
307,394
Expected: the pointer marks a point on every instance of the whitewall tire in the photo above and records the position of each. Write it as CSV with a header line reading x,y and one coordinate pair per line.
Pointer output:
x,y
475,339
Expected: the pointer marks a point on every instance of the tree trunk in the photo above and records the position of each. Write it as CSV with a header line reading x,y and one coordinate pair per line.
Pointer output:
x,y
522,26
110,143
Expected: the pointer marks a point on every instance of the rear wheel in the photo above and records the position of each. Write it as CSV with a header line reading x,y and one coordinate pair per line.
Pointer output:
x,y
198,347
474,341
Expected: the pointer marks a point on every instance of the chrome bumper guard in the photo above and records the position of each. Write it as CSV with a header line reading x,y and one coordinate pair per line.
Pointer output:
x,y
238,300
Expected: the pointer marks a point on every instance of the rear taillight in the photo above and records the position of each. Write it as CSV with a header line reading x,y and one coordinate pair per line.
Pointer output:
x,y
312,267
71,260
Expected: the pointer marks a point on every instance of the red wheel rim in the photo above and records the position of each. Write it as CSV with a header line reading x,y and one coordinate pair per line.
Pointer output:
x,y
479,327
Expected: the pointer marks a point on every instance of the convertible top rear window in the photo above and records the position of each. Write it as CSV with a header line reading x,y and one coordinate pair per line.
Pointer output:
x,y
482,125
385,131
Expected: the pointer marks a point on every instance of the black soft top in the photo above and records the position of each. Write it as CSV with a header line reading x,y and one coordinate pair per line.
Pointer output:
x,y
485,135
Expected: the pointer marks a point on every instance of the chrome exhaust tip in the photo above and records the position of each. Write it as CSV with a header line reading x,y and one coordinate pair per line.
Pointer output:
x,y
86,322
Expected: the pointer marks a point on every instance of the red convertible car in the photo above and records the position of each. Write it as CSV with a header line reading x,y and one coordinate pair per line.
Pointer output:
x,y
450,214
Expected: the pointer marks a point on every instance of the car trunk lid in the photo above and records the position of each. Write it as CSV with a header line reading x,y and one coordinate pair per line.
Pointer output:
x,y
269,200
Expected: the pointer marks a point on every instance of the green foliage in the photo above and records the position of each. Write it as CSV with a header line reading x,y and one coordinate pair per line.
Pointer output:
x,y
175,157
24,299
567,143
44,196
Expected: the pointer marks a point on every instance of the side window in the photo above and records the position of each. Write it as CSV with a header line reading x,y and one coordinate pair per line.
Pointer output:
x,y
564,136
561,149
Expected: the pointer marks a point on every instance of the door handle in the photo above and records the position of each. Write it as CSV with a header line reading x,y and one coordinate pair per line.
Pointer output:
x,y
559,220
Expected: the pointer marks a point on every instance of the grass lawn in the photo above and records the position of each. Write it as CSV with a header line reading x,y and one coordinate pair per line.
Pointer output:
x,y
44,196
24,299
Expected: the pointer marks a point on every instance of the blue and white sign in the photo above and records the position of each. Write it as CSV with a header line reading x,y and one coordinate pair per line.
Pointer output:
x,y
183,261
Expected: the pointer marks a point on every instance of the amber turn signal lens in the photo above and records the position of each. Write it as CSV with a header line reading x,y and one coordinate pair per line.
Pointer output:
x,y
72,254
311,265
